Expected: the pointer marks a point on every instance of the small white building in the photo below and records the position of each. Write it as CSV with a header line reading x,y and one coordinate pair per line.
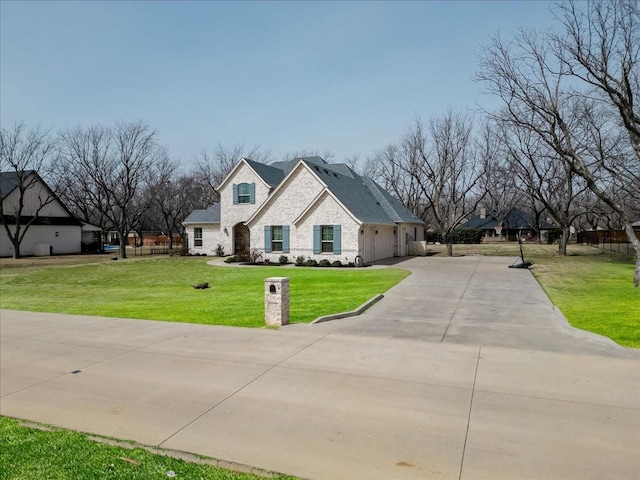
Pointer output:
x,y
28,200
303,207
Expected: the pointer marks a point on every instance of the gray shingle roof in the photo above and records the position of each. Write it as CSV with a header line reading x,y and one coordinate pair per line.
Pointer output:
x,y
365,199
514,219
210,215
271,175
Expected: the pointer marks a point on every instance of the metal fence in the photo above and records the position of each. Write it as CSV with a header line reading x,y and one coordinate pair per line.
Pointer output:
x,y
158,249
611,240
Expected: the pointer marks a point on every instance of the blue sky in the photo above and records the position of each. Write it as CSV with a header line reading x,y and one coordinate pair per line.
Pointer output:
x,y
345,77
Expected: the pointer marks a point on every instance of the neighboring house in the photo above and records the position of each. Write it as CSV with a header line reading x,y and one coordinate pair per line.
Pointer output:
x,y
91,238
54,231
303,207
514,223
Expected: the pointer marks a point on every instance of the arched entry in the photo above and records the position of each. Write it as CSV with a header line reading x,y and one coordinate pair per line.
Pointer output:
x,y
241,239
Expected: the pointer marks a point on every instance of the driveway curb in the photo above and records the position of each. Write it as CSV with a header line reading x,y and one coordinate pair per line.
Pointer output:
x,y
352,313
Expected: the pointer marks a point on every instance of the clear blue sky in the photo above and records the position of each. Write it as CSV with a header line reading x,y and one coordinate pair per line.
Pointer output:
x,y
348,77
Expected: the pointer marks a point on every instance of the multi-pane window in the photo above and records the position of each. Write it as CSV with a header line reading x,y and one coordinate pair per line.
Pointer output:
x,y
327,238
276,238
244,193
197,237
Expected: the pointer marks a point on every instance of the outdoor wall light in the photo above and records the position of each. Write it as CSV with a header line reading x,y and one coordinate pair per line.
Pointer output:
x,y
225,231
376,232
57,234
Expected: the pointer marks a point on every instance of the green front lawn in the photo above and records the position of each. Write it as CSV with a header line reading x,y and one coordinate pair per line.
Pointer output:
x,y
159,288
592,288
594,293
34,454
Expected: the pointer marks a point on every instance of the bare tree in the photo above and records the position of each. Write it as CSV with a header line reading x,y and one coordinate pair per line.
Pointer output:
x,y
354,163
548,181
25,156
396,168
449,171
502,189
535,75
113,165
600,46
172,196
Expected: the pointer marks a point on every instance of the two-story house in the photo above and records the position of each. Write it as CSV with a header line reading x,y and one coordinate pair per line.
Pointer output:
x,y
303,207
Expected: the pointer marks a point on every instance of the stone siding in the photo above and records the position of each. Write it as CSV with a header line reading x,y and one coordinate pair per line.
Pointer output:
x,y
210,238
231,214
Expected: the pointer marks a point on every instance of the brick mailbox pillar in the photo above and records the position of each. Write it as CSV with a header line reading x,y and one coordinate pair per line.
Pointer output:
x,y
276,301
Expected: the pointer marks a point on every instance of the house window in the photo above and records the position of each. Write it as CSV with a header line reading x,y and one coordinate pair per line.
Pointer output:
x,y
197,237
327,238
276,238
244,195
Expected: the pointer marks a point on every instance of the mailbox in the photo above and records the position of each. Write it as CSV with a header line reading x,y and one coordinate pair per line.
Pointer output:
x,y
276,301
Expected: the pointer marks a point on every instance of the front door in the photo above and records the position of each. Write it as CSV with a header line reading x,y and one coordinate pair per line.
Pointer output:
x,y
241,240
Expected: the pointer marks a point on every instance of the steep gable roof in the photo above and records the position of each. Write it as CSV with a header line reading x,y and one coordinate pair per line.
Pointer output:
x,y
361,196
257,168
392,206
270,175
9,181
209,215
354,194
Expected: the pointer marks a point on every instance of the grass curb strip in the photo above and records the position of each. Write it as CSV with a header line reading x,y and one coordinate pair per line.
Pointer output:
x,y
156,450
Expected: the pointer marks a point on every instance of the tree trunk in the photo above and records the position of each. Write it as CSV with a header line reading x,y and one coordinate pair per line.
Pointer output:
x,y
564,239
123,244
14,238
170,237
449,248
631,235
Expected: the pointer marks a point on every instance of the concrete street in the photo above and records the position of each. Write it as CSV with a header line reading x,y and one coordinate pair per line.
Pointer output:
x,y
463,371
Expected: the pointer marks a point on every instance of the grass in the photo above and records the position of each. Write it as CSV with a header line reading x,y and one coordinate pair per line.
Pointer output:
x,y
36,454
159,288
595,293
591,287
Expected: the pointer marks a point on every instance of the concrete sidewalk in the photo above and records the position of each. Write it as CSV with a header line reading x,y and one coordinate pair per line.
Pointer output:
x,y
327,405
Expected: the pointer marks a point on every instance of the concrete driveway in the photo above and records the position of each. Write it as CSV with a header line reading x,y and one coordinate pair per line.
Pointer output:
x,y
472,300
446,402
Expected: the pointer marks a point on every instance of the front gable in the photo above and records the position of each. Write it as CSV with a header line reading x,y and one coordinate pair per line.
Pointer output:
x,y
241,194
38,199
290,199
